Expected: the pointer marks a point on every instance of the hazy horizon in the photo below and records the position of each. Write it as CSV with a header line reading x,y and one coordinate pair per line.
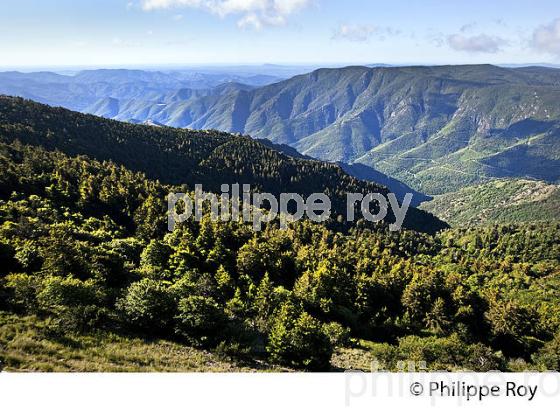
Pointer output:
x,y
73,69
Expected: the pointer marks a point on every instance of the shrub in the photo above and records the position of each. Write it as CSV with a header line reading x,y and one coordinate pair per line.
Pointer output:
x,y
448,353
232,349
74,304
338,335
55,291
28,257
198,319
22,291
548,357
481,358
383,354
297,340
445,353
148,305
78,318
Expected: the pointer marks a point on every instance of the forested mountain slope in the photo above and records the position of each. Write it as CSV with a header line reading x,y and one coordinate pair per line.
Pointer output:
x,y
360,171
436,128
176,156
91,279
86,259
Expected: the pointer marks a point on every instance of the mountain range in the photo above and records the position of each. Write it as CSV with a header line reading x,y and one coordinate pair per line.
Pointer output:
x,y
437,128
86,88
86,258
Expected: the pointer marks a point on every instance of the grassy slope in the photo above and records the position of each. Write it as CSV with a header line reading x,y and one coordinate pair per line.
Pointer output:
x,y
500,201
27,345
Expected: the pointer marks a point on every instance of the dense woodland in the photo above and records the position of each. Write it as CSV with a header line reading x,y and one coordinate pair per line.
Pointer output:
x,y
84,250
187,157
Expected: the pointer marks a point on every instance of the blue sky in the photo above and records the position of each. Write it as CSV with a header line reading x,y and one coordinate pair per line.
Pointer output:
x,y
43,33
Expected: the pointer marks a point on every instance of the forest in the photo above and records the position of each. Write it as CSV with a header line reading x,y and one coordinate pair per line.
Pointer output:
x,y
85,252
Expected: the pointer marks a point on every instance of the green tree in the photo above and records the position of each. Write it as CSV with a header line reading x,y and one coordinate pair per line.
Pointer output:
x,y
22,291
438,320
56,291
199,319
154,259
548,357
296,339
148,305
511,325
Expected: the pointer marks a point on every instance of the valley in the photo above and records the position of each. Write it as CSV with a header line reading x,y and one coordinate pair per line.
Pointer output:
x,y
437,129
90,273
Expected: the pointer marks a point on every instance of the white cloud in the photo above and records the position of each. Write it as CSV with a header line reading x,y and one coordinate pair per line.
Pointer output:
x,y
546,38
362,32
253,13
481,43
250,20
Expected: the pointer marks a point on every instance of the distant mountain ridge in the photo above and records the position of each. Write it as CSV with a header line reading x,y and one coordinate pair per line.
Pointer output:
x,y
437,128
90,87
